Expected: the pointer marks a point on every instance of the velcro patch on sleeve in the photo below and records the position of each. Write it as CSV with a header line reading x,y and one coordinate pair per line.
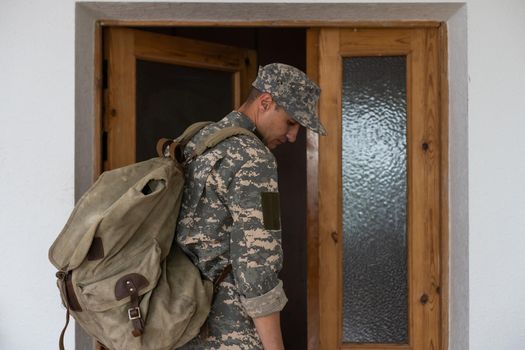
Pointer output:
x,y
271,210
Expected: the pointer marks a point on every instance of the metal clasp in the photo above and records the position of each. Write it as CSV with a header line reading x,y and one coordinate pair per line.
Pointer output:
x,y
134,313
61,275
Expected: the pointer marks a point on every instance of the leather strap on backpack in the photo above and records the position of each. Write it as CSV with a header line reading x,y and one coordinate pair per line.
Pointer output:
x,y
70,301
134,311
61,339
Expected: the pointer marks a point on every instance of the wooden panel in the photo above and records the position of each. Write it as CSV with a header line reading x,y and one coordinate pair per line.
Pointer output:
x,y
248,71
425,202
312,228
187,52
236,83
120,114
371,42
424,190
443,95
330,226
99,104
375,347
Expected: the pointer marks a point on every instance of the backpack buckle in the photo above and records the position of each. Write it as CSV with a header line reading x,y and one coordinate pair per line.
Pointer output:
x,y
134,313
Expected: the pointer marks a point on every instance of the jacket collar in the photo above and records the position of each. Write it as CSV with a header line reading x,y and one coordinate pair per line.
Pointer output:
x,y
236,118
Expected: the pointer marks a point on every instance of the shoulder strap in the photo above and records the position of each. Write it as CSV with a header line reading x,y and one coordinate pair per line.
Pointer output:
x,y
170,146
182,140
190,132
219,136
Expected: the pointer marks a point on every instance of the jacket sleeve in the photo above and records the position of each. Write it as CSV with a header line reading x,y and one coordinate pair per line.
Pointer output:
x,y
255,238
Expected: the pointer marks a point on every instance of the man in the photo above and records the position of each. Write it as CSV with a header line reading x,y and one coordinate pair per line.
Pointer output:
x,y
230,211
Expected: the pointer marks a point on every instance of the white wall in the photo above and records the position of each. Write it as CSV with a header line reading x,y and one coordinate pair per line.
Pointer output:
x,y
497,174
36,169
36,166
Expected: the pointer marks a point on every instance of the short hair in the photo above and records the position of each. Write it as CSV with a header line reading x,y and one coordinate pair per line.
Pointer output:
x,y
254,94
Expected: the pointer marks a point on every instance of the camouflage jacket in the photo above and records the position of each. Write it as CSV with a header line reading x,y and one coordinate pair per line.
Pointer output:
x,y
230,215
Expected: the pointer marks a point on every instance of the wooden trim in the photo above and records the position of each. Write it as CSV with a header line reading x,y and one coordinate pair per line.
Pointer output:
x,y
188,52
237,90
98,103
423,190
409,246
105,100
375,42
444,133
120,113
330,225
376,347
312,200
249,73
269,23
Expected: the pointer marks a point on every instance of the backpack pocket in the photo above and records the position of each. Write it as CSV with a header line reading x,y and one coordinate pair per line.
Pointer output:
x,y
141,268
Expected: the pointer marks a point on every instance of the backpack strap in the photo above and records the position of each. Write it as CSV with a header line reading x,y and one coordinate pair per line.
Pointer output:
x,y
219,136
61,339
190,132
169,147
163,145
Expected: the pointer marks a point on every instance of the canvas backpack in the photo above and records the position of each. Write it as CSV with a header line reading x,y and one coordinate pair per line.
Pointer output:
x,y
120,275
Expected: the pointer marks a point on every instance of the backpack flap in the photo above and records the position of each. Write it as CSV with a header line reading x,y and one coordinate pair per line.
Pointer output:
x,y
107,203
101,293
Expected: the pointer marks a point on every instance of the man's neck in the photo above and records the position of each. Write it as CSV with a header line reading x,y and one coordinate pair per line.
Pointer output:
x,y
249,111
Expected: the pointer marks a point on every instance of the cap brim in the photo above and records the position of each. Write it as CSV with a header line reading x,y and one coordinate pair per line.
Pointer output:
x,y
309,121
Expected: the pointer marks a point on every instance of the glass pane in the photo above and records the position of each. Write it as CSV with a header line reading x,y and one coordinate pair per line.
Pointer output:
x,y
375,200
171,97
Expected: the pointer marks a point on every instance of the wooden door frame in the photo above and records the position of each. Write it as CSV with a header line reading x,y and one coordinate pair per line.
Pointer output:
x,y
123,47
91,17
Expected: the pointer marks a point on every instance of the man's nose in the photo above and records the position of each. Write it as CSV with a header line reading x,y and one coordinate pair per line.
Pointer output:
x,y
292,133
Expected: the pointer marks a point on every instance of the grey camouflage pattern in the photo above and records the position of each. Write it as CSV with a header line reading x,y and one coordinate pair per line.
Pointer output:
x,y
294,91
221,222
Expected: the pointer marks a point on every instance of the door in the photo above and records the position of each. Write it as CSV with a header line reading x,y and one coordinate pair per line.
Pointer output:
x,y
374,190
158,84
400,308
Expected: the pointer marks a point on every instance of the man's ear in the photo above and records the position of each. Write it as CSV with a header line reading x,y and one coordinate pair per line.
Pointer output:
x,y
265,101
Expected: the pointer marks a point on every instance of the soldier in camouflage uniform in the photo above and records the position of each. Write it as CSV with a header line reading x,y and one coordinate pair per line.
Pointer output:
x,y
230,210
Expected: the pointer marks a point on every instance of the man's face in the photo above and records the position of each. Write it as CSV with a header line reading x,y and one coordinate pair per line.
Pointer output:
x,y
277,127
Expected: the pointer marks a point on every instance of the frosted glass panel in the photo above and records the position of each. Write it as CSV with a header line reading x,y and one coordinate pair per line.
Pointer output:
x,y
375,200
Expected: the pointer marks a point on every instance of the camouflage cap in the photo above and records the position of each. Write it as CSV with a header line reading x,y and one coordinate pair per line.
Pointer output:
x,y
294,91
